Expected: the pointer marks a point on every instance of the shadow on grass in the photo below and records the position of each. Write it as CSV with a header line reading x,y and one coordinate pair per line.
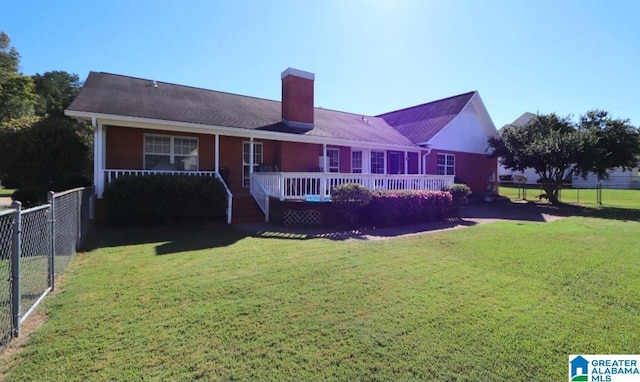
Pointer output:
x,y
184,238
267,231
541,212
517,211
168,239
612,213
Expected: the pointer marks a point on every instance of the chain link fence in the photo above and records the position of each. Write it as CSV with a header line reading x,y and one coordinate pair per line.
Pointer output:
x,y
588,194
6,238
36,245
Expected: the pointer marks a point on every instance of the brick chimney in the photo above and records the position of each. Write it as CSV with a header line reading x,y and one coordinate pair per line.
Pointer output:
x,y
297,98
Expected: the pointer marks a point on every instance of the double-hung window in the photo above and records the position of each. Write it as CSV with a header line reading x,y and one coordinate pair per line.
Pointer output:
x,y
356,162
377,162
164,152
333,160
446,164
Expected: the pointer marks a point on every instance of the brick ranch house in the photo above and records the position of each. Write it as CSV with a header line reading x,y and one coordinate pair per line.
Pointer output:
x,y
290,149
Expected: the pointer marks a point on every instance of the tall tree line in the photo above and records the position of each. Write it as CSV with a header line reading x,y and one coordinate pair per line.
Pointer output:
x,y
40,148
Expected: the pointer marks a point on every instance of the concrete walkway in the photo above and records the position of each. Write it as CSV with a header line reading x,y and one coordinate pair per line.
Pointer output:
x,y
5,201
470,215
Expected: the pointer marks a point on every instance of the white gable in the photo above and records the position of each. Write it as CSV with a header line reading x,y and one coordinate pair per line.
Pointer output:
x,y
467,132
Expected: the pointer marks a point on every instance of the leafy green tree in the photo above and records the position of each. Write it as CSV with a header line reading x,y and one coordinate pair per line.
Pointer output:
x,y
17,92
40,148
52,156
10,135
9,57
55,92
17,97
610,143
555,147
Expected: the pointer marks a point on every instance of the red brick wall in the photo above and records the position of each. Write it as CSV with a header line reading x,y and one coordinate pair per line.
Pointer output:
x,y
125,148
472,169
413,163
231,159
299,156
344,155
297,99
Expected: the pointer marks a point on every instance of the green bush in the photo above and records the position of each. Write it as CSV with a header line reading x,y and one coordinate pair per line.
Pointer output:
x,y
158,199
391,208
460,192
350,199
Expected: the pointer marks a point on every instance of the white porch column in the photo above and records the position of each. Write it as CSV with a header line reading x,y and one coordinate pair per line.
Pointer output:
x,y
251,154
384,160
324,157
216,155
366,161
406,163
99,152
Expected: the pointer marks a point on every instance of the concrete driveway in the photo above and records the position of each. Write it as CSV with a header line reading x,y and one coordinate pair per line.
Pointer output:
x,y
5,201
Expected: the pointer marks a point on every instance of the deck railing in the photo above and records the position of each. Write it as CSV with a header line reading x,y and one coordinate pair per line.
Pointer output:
x,y
298,185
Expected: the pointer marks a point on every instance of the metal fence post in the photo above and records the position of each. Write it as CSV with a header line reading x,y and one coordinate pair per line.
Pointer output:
x,y
78,220
52,240
16,303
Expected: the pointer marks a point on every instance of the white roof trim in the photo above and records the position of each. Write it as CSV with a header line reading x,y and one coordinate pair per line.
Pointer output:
x,y
158,124
486,117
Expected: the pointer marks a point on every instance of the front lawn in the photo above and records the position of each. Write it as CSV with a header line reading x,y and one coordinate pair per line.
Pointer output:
x,y
495,302
6,192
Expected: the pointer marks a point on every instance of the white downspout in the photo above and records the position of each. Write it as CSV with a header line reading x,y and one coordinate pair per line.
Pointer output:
x,y
325,170
424,159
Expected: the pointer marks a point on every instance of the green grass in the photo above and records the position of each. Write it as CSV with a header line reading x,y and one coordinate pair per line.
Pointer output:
x,y
588,197
6,192
495,302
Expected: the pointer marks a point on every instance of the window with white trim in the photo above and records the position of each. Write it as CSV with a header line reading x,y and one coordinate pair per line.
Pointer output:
x,y
164,152
377,162
356,162
446,164
246,160
333,160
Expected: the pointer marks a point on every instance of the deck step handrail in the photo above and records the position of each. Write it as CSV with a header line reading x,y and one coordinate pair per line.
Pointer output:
x,y
261,196
229,197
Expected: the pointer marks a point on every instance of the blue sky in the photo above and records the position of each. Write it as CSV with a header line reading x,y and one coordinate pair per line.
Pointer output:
x,y
369,57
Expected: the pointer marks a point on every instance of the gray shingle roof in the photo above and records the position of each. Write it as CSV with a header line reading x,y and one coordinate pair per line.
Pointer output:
x,y
420,123
112,94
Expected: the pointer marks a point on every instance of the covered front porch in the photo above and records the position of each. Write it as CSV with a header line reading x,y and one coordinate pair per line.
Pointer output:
x,y
255,167
299,185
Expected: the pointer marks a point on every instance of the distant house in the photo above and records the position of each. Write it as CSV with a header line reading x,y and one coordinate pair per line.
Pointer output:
x,y
287,149
618,177
529,175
